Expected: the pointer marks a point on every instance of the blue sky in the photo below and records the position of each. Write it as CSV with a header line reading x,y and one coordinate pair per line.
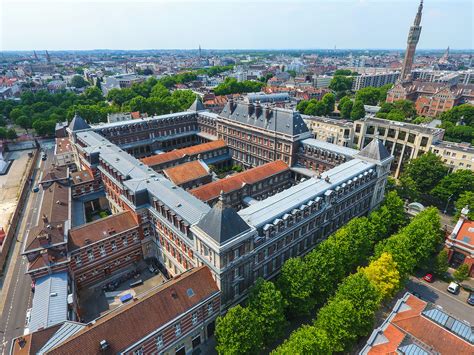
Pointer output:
x,y
243,24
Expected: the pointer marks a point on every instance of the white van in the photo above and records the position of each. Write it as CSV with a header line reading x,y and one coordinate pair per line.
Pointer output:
x,y
453,287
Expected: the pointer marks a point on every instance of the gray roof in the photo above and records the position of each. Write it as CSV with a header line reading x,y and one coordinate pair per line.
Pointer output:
x,y
50,301
273,119
78,123
67,330
197,106
333,148
222,223
262,97
375,150
101,126
266,211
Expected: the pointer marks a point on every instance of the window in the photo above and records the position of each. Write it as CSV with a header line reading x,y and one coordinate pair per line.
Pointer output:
x,y
177,329
78,260
210,308
195,318
159,341
90,255
139,352
102,250
114,246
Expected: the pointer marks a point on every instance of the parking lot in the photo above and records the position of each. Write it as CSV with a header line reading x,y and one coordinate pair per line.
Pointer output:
x,y
99,299
436,292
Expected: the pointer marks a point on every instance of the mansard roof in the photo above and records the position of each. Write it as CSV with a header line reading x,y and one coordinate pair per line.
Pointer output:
x,y
78,123
222,223
197,106
375,150
273,119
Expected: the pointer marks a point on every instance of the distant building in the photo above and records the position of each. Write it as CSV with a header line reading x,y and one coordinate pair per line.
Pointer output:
x,y
120,82
460,243
455,155
322,81
340,132
375,80
418,327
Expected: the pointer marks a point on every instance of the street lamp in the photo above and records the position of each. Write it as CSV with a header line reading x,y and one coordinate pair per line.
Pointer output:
x,y
447,203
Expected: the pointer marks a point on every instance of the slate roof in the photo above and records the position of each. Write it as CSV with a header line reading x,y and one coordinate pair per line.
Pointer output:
x,y
197,105
279,120
375,150
222,223
78,123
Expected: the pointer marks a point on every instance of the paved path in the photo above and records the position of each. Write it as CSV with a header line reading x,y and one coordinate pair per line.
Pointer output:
x,y
16,293
436,293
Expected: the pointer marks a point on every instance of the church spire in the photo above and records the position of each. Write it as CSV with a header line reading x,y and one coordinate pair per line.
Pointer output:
x,y
418,14
413,38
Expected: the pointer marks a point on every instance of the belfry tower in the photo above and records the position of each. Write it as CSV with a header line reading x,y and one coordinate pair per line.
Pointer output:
x,y
413,38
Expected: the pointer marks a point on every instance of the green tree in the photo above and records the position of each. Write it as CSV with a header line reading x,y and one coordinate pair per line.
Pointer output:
x,y
383,92
342,101
465,199
305,340
24,122
358,110
454,184
94,94
368,95
384,275
426,171
346,109
329,100
408,189
395,115
296,287
238,332
340,83
11,134
461,273
78,81
406,106
302,105
441,263
267,302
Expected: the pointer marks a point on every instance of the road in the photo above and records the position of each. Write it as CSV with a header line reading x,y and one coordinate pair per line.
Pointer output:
x,y
436,293
16,295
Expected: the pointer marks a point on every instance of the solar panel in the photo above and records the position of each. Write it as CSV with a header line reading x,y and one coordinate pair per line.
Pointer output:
x,y
455,326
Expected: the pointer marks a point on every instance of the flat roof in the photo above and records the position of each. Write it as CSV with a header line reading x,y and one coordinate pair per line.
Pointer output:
x,y
139,120
334,148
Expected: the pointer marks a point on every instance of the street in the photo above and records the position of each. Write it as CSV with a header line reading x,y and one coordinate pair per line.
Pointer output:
x,y
436,293
16,295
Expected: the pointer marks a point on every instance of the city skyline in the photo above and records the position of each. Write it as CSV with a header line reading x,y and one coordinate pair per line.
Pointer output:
x,y
346,24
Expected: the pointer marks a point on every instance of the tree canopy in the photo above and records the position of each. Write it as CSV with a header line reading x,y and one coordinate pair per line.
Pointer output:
x,y
78,81
425,171
232,86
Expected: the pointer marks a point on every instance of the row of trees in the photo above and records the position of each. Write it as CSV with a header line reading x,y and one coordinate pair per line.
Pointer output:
x,y
306,282
232,86
350,313
372,95
428,178
349,109
7,133
313,107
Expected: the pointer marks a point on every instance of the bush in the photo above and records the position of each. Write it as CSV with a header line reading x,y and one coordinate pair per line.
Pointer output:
x,y
462,273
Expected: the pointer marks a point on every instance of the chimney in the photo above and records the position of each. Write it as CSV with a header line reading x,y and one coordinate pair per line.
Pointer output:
x,y
258,109
251,109
231,105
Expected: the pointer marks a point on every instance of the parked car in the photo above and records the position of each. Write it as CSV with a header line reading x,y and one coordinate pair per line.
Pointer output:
x,y
28,317
470,299
453,288
428,278
43,156
36,188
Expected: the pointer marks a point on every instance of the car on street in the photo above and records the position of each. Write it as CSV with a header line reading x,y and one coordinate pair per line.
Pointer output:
x,y
453,288
470,299
36,188
428,278
28,317
43,156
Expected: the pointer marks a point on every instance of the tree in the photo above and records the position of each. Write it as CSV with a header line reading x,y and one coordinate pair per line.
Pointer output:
x,y
396,115
368,95
441,263
78,81
454,184
384,275
358,110
346,109
340,83
465,199
342,101
329,101
267,302
305,340
426,171
238,332
94,94
232,86
11,134
407,107
383,92
408,189
302,105
315,108
24,122
296,287
461,273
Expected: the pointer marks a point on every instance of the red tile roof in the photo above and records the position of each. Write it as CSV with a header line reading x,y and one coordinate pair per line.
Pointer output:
x,y
410,321
179,153
131,322
186,172
466,233
33,342
103,228
234,182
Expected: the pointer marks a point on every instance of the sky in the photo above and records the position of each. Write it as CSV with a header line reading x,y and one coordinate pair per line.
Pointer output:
x,y
231,24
